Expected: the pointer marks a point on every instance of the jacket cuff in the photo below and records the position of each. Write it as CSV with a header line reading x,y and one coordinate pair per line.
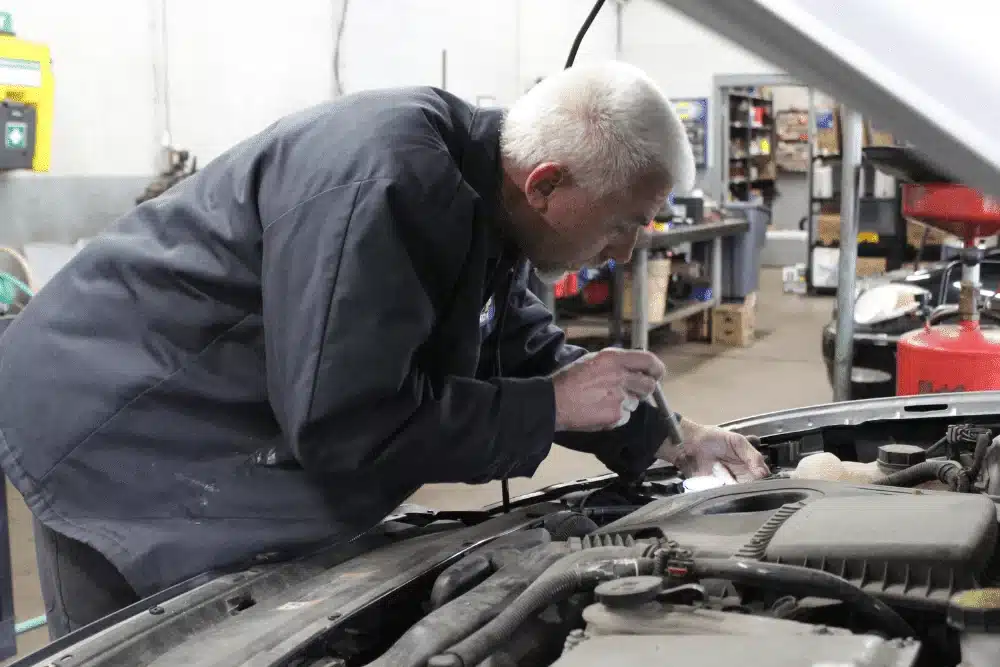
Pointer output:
x,y
646,431
527,425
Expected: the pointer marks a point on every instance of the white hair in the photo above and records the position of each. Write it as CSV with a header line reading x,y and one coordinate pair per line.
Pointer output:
x,y
608,124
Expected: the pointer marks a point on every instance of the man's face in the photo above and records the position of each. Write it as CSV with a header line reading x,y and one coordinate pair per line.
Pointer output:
x,y
563,228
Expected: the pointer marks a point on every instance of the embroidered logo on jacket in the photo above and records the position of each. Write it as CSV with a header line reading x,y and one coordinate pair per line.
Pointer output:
x,y
487,313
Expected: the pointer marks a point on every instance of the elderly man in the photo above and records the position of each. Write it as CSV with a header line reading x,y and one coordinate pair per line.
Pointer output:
x,y
280,350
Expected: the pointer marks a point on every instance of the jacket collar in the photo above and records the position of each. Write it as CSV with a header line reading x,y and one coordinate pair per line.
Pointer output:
x,y
481,168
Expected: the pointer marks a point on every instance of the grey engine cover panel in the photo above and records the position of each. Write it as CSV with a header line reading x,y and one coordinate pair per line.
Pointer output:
x,y
742,651
913,548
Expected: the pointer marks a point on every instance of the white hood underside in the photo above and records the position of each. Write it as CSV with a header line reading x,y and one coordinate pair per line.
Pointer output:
x,y
926,71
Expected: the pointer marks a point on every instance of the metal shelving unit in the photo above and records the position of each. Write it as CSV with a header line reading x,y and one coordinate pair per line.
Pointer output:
x,y
640,326
749,146
881,225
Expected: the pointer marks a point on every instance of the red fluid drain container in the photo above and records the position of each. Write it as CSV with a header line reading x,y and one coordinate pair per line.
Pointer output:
x,y
948,358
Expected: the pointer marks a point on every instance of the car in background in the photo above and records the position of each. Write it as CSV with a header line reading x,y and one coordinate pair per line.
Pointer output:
x,y
894,303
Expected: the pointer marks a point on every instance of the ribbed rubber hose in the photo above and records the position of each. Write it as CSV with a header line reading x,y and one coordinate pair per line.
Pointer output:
x,y
582,570
983,442
494,634
802,581
944,471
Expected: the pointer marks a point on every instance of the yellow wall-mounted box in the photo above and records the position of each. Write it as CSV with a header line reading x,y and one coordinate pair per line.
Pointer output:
x,y
26,81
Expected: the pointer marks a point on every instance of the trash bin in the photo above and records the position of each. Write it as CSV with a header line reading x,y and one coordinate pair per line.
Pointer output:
x,y
741,253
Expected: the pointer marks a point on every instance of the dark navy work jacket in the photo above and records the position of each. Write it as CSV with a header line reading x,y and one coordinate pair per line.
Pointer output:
x,y
282,348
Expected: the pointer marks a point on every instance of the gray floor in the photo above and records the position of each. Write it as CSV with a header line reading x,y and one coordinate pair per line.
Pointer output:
x,y
783,369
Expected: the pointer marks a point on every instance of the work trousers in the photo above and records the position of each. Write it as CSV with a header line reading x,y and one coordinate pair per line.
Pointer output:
x,y
79,585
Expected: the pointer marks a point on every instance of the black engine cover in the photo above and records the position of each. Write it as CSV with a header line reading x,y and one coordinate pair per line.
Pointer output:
x,y
915,548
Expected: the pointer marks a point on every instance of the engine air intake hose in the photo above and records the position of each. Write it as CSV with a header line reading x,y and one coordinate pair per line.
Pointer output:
x,y
948,472
579,571
604,540
803,582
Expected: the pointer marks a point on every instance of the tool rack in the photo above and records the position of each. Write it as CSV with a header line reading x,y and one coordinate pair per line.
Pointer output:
x,y
748,155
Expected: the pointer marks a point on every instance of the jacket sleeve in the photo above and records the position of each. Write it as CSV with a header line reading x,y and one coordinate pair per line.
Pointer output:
x,y
531,345
354,281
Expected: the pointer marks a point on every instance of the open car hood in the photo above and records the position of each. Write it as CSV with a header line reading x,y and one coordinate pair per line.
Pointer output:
x,y
928,73
803,421
350,599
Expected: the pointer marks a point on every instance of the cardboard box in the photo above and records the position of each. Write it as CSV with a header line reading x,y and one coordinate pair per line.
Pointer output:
x,y
793,157
870,266
733,324
792,125
915,234
828,131
875,136
698,327
828,231
657,282
828,228
826,266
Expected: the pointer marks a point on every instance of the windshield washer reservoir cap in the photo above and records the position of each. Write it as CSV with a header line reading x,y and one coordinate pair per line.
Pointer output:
x,y
900,456
975,611
628,591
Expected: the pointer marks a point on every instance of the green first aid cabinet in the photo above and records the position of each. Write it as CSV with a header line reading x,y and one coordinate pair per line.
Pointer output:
x,y
18,122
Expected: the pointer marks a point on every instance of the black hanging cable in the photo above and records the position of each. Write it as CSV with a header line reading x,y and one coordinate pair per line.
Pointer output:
x,y
338,38
583,31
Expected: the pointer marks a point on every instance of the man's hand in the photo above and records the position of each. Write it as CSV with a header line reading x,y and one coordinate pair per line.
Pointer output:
x,y
599,391
704,446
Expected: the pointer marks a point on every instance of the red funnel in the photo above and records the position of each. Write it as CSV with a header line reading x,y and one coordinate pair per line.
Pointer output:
x,y
956,209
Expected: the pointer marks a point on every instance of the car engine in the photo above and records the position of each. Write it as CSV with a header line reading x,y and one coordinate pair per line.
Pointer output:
x,y
894,572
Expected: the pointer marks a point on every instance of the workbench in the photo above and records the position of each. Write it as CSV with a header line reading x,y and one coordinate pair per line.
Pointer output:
x,y
651,241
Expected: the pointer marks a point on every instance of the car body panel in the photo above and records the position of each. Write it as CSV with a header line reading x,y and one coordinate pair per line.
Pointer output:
x,y
264,615
293,603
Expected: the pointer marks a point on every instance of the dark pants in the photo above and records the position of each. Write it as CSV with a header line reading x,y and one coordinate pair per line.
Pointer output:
x,y
79,585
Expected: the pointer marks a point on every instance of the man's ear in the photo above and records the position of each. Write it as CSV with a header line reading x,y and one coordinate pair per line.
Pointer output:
x,y
541,183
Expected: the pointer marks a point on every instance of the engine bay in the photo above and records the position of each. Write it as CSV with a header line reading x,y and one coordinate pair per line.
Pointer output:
x,y
772,573
870,564
874,545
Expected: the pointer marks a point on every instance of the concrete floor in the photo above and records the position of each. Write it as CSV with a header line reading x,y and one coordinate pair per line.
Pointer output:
x,y
783,369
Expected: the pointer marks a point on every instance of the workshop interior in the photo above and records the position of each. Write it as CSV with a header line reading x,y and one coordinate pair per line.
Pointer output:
x,y
830,289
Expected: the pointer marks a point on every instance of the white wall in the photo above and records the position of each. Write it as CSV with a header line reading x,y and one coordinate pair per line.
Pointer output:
x,y
494,48
231,71
217,71
679,54
104,99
